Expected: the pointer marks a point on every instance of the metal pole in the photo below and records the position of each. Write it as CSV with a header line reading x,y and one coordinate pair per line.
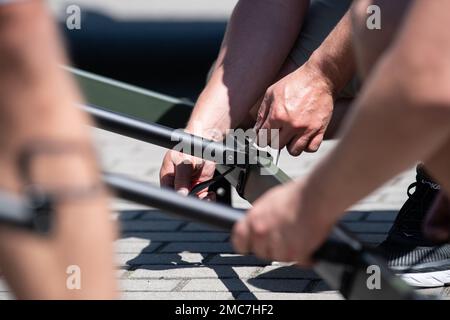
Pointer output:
x,y
341,261
216,215
166,137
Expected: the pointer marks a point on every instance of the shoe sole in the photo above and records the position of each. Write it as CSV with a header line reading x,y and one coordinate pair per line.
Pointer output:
x,y
433,279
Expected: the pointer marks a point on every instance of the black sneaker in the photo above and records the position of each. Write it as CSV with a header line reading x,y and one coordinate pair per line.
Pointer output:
x,y
417,260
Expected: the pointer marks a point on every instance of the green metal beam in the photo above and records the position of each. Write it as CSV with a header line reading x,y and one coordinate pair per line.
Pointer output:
x,y
131,100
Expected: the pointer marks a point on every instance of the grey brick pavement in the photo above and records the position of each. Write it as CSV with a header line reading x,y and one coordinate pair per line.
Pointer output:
x,y
161,257
197,262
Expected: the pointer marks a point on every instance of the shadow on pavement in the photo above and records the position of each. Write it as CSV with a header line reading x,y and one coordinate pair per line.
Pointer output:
x,y
272,279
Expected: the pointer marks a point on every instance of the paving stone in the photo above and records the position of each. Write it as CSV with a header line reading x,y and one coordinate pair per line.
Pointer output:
x,y
172,272
142,226
121,273
371,238
6,296
290,272
177,295
378,206
176,236
188,272
198,227
368,227
157,259
288,296
253,285
147,285
396,197
321,287
122,205
382,216
354,216
137,247
128,214
156,215
201,247
235,259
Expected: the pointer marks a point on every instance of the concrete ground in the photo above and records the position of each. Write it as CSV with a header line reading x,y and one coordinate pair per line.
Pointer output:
x,y
160,257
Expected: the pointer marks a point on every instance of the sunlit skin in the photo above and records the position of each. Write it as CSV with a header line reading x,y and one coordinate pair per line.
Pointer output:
x,y
37,101
301,104
400,117
251,81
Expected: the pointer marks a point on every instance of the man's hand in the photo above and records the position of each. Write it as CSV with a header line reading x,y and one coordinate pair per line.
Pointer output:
x,y
182,172
300,106
280,227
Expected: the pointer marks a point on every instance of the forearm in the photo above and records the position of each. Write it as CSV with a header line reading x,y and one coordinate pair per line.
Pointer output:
x,y
401,116
383,139
258,39
334,59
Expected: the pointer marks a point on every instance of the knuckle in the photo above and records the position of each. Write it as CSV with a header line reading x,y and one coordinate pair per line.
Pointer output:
x,y
259,229
278,114
298,124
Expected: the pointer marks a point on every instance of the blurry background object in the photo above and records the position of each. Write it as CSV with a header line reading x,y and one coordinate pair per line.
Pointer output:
x,y
164,45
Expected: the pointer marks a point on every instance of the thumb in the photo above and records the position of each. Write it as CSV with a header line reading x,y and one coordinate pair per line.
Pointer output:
x,y
183,177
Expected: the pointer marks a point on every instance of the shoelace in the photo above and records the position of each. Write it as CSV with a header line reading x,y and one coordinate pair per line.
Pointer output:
x,y
412,221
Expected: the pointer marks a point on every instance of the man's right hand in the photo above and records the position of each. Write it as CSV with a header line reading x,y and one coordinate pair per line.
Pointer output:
x,y
300,106
182,172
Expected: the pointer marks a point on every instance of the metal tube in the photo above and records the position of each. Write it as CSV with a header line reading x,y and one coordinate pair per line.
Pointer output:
x,y
340,261
191,208
166,137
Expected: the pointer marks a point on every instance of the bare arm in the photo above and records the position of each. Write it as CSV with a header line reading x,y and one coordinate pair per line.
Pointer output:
x,y
37,102
402,115
301,104
259,37
335,59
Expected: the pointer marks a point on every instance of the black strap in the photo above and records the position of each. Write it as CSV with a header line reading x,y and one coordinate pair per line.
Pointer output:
x,y
206,184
